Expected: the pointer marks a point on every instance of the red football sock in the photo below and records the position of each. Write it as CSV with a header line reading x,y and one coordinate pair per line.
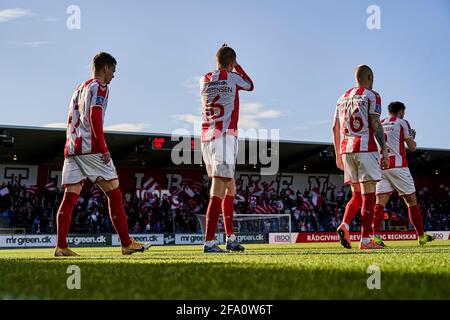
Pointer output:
x,y
212,217
368,204
416,219
227,211
118,216
352,207
64,217
378,216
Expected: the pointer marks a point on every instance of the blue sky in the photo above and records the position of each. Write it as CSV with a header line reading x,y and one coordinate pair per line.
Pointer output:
x,y
300,54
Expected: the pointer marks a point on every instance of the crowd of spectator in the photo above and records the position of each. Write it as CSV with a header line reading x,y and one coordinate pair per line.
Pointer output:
x,y
149,212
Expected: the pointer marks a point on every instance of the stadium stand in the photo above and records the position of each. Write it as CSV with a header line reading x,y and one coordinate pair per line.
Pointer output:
x,y
163,198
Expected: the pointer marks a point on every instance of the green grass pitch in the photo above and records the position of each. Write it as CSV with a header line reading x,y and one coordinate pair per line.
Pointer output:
x,y
295,271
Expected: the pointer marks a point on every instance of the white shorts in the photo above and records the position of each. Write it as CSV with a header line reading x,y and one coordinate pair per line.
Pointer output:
x,y
78,168
220,156
399,179
361,167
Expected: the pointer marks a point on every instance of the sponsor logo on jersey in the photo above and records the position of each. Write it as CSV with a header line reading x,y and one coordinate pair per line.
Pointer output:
x,y
216,83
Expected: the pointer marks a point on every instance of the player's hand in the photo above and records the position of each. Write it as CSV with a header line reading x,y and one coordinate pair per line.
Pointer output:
x,y
105,157
339,162
385,159
413,133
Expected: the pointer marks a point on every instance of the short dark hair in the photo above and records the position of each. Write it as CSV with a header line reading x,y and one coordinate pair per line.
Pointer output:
x,y
396,106
102,59
363,71
225,56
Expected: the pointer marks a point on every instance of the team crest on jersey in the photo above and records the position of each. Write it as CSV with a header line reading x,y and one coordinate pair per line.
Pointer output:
x,y
378,108
100,100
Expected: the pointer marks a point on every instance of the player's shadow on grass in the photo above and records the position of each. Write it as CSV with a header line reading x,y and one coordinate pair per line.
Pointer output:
x,y
227,281
155,253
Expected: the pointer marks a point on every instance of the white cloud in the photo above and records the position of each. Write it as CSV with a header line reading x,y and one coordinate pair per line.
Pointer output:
x,y
189,118
248,123
29,44
305,126
51,19
192,83
56,125
267,114
35,44
16,13
191,86
250,107
250,114
317,122
130,127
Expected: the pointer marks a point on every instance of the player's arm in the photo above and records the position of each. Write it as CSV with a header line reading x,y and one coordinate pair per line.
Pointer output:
x,y
412,145
244,82
337,141
378,132
96,120
410,135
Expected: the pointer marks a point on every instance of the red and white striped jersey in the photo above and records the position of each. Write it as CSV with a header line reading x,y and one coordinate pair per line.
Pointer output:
x,y
220,101
353,110
79,136
396,130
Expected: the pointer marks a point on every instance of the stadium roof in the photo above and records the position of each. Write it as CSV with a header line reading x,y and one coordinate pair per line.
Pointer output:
x,y
40,145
